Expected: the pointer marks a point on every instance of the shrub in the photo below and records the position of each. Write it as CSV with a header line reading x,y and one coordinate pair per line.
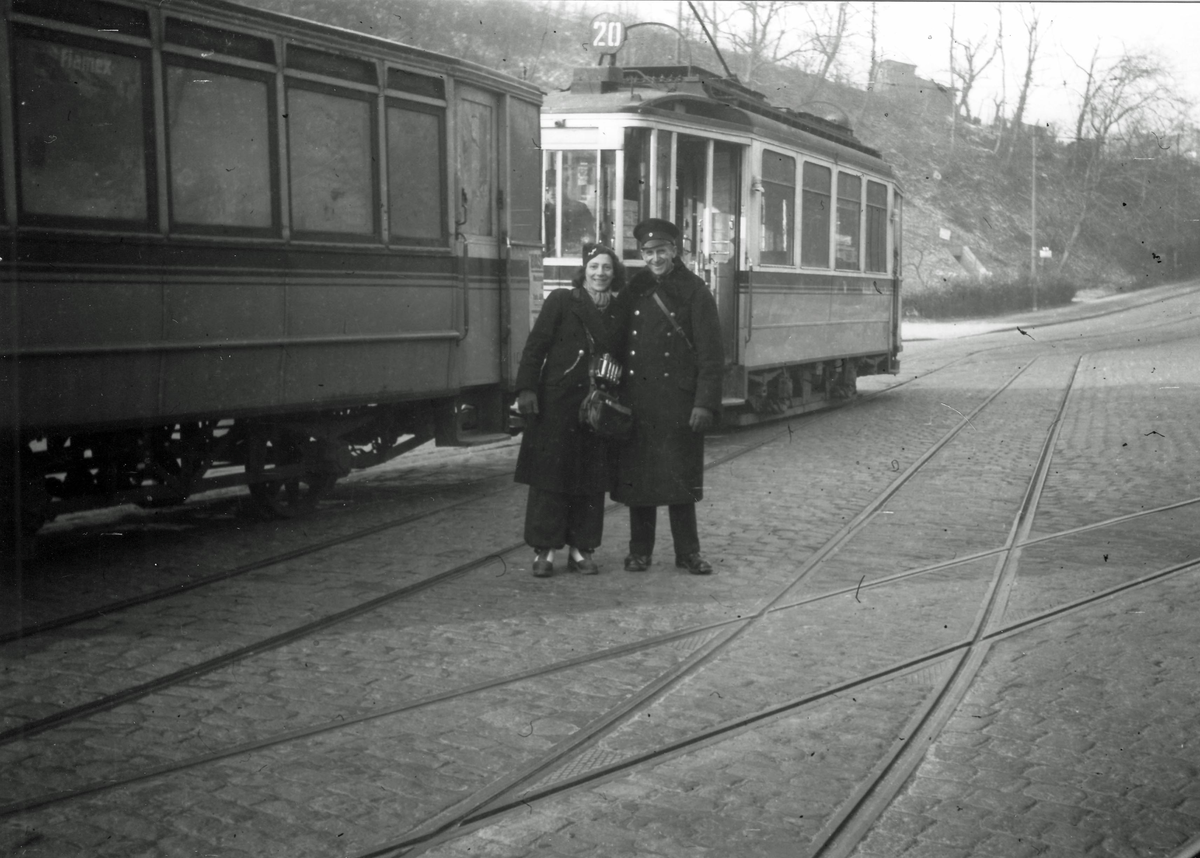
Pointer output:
x,y
970,298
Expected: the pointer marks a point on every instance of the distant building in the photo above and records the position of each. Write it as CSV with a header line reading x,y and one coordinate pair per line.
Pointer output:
x,y
901,80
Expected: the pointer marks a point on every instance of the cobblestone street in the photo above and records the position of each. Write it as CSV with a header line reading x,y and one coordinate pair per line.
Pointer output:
x,y
953,618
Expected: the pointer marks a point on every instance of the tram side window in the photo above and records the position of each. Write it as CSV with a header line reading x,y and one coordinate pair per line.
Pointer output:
x,y
814,225
416,173
849,208
81,137
778,209
220,149
876,226
330,146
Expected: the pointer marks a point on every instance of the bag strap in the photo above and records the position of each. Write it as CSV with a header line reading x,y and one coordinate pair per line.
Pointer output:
x,y
671,318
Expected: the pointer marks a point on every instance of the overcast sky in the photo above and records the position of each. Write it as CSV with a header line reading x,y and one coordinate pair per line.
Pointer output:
x,y
918,33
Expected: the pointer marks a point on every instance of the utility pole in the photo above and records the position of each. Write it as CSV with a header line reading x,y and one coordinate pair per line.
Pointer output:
x,y
1033,223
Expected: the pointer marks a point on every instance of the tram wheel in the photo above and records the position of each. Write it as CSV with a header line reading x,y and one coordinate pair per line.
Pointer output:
x,y
270,448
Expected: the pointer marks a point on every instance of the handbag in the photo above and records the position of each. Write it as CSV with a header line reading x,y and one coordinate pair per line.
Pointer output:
x,y
604,414
601,410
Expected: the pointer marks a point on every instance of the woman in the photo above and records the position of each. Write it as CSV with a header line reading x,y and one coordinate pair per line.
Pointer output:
x,y
563,463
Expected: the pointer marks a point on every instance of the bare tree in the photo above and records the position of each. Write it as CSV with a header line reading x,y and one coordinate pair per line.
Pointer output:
x,y
757,31
828,31
1031,22
969,60
1089,93
1136,89
1134,98
953,106
1001,102
873,68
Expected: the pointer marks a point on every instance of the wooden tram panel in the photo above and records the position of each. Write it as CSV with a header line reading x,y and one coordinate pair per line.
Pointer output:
x,y
809,296
340,310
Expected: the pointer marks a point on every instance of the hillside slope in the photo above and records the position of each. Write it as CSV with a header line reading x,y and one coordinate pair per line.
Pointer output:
x,y
1135,229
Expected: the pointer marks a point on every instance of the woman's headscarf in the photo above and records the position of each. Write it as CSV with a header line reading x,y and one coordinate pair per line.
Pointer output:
x,y
590,252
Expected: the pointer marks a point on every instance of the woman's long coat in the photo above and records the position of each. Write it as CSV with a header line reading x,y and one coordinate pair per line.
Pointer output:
x,y
557,453
664,379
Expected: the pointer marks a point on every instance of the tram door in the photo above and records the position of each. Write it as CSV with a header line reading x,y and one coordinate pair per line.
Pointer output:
x,y
475,209
708,218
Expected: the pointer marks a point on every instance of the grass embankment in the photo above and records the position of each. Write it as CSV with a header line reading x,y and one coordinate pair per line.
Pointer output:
x,y
969,298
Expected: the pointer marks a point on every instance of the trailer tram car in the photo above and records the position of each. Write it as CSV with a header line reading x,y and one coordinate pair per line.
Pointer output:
x,y
792,221
239,246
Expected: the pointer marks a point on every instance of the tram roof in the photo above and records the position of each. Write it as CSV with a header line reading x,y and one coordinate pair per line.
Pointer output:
x,y
333,37
709,99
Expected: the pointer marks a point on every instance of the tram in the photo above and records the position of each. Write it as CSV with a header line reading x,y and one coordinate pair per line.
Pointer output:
x,y
793,222
241,247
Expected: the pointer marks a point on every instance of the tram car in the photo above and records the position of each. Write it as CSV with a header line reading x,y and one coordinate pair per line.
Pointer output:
x,y
243,247
792,221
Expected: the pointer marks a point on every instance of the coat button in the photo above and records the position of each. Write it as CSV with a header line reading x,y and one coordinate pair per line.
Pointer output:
x,y
637,312
666,375
666,354
632,353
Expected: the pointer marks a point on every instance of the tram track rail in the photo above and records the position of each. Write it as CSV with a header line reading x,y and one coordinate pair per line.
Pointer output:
x,y
850,823
889,672
109,608
476,807
846,828
496,801
126,695
194,671
111,701
161,593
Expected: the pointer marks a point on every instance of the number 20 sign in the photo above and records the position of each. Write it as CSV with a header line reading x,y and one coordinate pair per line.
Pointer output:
x,y
608,34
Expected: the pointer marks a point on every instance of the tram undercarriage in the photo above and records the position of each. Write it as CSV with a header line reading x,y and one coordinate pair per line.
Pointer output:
x,y
288,462
797,389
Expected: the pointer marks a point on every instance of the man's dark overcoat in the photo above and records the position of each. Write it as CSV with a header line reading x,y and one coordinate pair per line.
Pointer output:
x,y
664,379
557,454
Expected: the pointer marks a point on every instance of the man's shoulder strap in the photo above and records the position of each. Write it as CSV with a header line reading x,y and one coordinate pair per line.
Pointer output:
x,y
671,318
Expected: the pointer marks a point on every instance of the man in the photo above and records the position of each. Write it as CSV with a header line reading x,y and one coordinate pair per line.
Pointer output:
x,y
673,366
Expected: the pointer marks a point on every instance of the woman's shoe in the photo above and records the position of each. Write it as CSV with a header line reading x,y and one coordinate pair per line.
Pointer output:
x,y
543,567
585,565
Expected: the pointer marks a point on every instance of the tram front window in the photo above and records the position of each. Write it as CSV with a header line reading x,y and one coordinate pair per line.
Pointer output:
x,y
579,200
636,195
